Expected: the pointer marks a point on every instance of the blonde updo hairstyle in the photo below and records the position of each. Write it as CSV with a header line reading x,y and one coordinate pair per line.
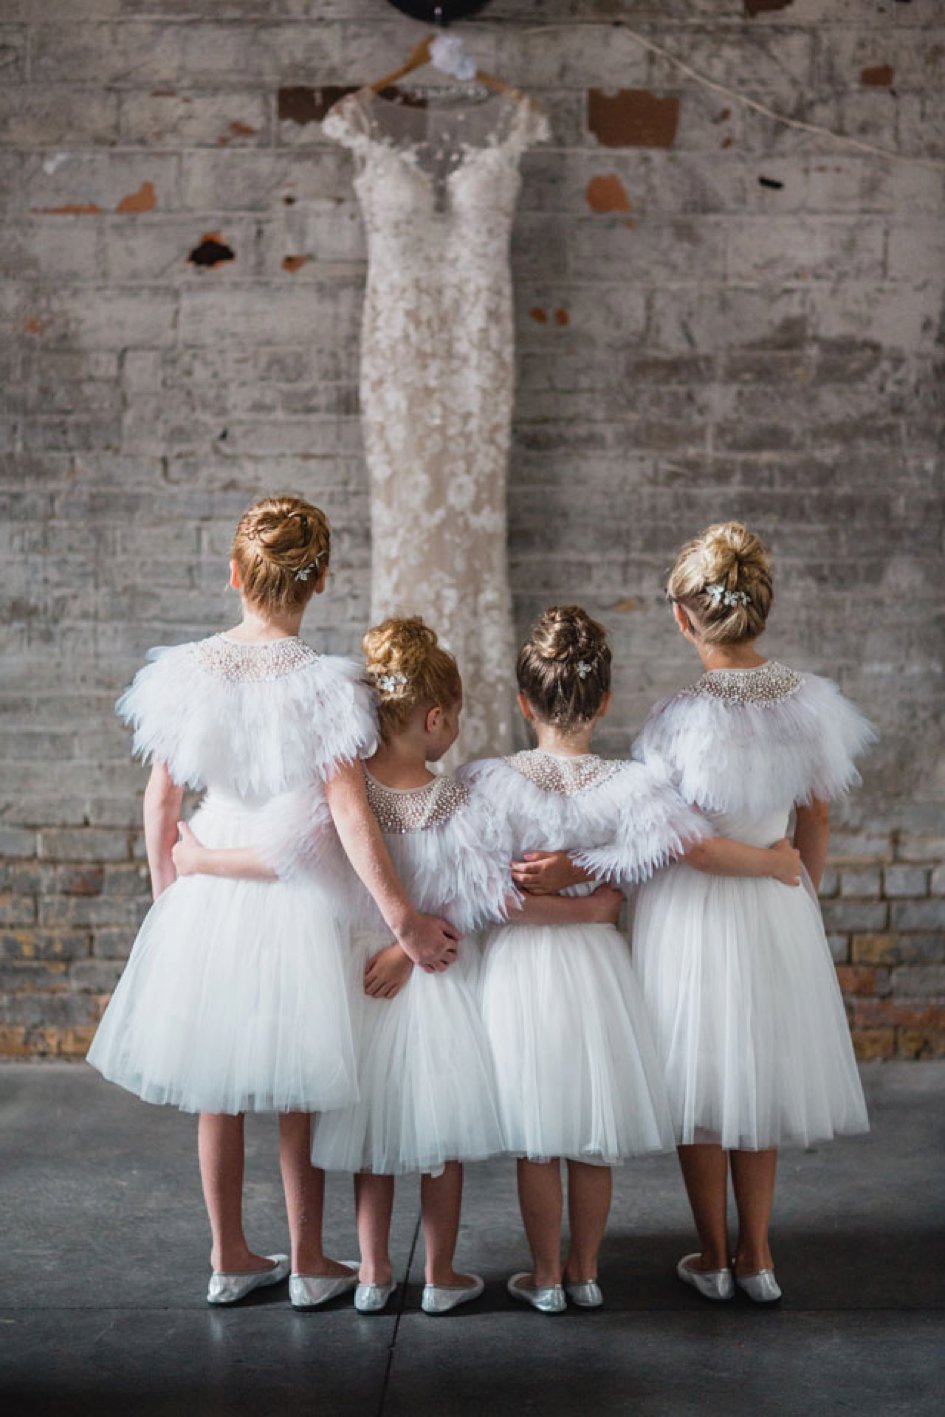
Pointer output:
x,y
281,548
563,670
408,668
730,556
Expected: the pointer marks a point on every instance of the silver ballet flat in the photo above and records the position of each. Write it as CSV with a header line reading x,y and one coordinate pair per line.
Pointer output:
x,y
231,1288
308,1291
372,1298
711,1283
587,1294
440,1298
761,1286
549,1299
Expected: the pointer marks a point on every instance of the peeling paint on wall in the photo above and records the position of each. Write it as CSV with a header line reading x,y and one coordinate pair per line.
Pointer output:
x,y
632,118
294,263
761,7
144,200
607,194
307,105
70,209
212,250
878,76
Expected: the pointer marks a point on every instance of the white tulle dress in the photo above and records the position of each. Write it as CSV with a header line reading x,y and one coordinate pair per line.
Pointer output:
x,y
577,1071
427,1086
736,972
236,994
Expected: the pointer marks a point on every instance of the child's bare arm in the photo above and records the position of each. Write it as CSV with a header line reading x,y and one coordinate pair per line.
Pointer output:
x,y
426,939
162,799
720,856
812,837
547,872
193,859
601,907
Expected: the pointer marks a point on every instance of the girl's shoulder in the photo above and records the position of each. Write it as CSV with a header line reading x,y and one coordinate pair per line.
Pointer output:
x,y
256,717
763,737
539,777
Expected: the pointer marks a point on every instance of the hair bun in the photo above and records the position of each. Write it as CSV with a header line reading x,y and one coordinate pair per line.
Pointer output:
x,y
281,546
732,554
566,633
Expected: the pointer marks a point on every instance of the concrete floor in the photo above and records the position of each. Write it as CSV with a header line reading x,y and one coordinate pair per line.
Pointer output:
x,y
105,1267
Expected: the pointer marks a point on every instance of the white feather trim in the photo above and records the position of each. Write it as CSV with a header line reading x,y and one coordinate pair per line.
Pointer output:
x,y
255,736
628,825
458,868
757,757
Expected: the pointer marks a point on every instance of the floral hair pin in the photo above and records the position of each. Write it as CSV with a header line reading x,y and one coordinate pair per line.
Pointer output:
x,y
390,683
721,595
303,573
583,668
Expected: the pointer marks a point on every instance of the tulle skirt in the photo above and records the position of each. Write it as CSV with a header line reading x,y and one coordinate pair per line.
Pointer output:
x,y
576,1067
747,1013
427,1091
236,995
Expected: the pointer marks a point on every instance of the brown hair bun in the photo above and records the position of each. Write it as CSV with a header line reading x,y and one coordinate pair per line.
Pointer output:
x,y
408,667
281,547
563,669
723,578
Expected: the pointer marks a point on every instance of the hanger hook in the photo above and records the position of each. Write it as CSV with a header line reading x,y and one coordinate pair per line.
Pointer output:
x,y
438,16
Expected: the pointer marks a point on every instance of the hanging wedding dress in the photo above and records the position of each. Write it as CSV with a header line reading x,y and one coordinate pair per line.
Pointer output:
x,y
437,186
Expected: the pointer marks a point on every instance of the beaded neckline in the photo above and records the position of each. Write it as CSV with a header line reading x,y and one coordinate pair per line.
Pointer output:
x,y
767,683
411,809
239,662
565,776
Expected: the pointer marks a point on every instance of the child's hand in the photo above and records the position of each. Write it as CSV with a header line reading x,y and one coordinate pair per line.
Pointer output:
x,y
605,905
785,863
187,853
386,973
546,872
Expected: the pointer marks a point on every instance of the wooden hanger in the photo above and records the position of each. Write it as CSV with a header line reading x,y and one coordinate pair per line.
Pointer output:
x,y
420,57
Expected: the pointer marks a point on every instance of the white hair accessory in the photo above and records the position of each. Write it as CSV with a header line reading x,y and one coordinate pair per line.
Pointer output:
x,y
390,683
303,573
721,595
448,53
583,668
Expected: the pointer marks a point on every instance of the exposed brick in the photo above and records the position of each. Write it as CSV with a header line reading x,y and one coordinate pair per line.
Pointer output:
x,y
918,914
873,1043
905,881
854,915
919,981
862,979
84,844
860,883
898,949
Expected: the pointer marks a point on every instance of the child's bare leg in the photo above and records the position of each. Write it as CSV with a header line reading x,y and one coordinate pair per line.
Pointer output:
x,y
440,1201
374,1204
753,1174
539,1195
705,1172
304,1187
589,1194
220,1151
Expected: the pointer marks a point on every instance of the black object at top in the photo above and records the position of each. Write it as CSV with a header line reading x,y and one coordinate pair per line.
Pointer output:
x,y
439,13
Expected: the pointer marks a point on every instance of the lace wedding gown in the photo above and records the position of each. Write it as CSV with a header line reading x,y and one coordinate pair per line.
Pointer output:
x,y
437,187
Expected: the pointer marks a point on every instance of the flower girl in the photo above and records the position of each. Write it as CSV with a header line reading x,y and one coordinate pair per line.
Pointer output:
x,y
737,974
233,1000
578,1075
425,1070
